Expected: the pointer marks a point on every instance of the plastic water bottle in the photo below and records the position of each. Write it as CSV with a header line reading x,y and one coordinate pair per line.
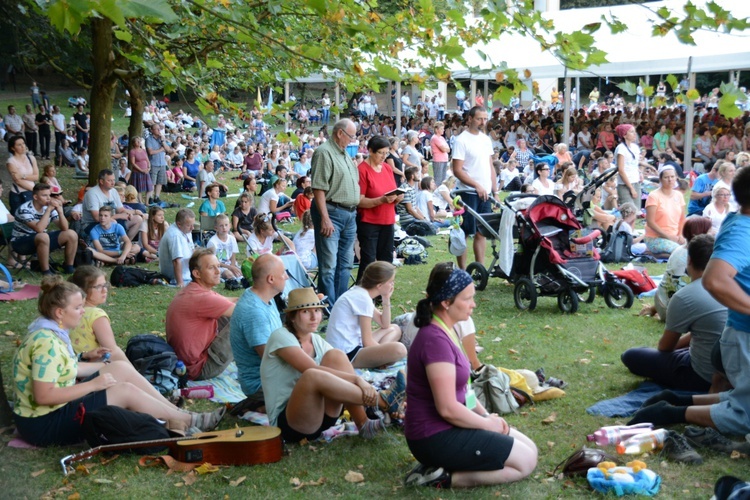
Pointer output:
x,y
180,369
614,434
641,443
198,392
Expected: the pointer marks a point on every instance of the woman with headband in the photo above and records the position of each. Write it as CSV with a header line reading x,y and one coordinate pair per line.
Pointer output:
x,y
456,441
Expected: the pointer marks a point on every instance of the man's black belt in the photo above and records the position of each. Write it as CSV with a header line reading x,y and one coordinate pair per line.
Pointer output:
x,y
343,207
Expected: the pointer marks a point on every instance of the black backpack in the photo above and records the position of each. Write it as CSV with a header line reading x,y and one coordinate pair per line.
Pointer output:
x,y
114,425
135,276
420,228
618,245
155,359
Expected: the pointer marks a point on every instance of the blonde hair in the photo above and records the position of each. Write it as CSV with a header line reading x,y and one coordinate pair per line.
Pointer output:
x,y
131,193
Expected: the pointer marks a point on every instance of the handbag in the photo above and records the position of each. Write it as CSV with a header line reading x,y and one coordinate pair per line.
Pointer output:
x,y
578,464
492,388
637,279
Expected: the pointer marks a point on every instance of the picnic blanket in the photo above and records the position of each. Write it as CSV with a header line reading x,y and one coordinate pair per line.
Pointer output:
x,y
226,386
627,404
26,293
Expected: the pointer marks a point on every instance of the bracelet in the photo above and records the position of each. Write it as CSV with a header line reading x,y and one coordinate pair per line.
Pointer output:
x,y
80,357
486,415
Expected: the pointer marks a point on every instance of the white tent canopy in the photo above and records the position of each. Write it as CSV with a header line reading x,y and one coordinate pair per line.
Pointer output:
x,y
633,52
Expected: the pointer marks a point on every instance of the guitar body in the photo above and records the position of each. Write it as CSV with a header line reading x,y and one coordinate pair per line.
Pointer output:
x,y
243,446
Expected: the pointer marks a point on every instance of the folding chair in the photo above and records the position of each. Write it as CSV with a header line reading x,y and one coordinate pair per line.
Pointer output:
x,y
23,260
207,229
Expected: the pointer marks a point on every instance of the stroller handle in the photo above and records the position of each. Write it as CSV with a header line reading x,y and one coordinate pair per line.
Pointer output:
x,y
458,202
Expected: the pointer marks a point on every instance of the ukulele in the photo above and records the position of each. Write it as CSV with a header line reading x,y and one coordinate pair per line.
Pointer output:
x,y
241,446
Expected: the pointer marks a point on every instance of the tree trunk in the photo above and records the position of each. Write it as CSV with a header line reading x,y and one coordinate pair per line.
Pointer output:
x,y
6,414
137,104
102,97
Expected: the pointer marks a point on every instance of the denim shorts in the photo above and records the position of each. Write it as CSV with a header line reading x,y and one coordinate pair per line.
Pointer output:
x,y
731,414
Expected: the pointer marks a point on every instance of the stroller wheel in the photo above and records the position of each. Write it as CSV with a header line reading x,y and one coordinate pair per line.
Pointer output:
x,y
479,274
567,301
588,297
618,296
524,294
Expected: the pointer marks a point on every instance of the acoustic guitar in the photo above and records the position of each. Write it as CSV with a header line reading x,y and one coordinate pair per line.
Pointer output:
x,y
241,446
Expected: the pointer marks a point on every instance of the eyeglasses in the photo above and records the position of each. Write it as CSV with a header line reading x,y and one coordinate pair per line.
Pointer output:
x,y
103,286
350,136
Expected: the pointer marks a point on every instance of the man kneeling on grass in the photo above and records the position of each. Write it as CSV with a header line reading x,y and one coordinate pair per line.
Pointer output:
x,y
111,243
694,322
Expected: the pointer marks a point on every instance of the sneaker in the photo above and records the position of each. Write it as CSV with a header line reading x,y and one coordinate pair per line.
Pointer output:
x,y
371,428
677,448
209,420
423,475
706,437
395,395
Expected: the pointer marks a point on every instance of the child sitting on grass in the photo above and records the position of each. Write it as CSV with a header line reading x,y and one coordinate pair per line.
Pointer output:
x,y
304,242
224,246
111,243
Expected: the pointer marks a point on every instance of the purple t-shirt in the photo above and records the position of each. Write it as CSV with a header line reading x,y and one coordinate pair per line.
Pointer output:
x,y
431,345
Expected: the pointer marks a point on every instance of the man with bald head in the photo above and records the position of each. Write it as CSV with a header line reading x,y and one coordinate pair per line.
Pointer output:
x,y
335,183
254,318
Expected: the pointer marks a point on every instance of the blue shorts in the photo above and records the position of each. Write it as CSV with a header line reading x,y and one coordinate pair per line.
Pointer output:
x,y
25,244
471,200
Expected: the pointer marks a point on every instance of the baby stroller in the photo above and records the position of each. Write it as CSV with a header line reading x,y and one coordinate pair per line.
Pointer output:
x,y
555,257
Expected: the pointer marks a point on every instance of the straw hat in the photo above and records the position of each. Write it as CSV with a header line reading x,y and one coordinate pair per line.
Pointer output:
x,y
303,298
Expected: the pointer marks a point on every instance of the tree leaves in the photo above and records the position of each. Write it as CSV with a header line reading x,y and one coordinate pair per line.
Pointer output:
x,y
627,87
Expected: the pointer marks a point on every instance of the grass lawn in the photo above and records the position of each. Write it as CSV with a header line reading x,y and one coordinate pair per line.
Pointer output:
x,y
583,349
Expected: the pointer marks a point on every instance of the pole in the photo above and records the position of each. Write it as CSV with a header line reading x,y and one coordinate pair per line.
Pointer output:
x,y
397,125
473,92
566,110
689,119
338,106
287,124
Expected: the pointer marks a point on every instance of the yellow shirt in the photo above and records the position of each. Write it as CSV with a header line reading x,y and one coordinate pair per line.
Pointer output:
x,y
44,357
82,337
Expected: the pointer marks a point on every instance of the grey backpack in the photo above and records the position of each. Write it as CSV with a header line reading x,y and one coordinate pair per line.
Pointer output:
x,y
492,388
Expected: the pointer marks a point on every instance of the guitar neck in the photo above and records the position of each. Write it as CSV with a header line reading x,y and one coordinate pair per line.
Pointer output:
x,y
77,457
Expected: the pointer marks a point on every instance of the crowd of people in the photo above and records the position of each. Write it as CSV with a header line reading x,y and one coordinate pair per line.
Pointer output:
x,y
356,186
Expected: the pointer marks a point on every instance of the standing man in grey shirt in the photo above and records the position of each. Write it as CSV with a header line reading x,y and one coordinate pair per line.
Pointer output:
x,y
335,183
157,149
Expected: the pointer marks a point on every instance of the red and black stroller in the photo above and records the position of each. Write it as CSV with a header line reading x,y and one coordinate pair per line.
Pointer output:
x,y
555,256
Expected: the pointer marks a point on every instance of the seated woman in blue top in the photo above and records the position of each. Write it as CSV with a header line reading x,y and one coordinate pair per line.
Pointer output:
x,y
212,206
307,383
457,442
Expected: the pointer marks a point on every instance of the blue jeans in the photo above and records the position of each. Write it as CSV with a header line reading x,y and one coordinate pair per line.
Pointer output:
x,y
335,253
732,414
326,116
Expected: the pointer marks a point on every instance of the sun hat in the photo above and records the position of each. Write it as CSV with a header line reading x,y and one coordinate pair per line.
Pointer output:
x,y
303,298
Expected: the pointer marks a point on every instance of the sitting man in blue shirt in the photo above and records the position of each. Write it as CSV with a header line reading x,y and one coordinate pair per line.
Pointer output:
x,y
253,320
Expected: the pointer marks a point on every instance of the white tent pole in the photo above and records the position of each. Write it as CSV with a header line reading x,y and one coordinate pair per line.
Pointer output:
x,y
390,101
486,92
689,118
286,113
578,92
336,94
397,125
473,92
645,84
566,110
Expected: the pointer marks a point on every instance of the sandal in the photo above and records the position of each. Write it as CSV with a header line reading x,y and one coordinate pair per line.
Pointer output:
x,y
556,382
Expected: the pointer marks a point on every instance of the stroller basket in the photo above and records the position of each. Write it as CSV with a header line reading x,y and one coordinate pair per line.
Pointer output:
x,y
493,221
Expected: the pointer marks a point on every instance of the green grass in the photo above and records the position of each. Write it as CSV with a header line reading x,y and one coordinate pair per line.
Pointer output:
x,y
583,349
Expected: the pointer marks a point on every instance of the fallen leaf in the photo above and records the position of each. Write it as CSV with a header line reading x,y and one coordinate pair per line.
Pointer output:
x,y
105,461
550,444
4,322
237,481
190,478
38,473
550,419
83,469
360,467
584,361
206,468
512,351
294,481
488,358
497,339
502,325
588,352
299,486
179,485
736,454
101,480
74,496
354,477
547,327
9,333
